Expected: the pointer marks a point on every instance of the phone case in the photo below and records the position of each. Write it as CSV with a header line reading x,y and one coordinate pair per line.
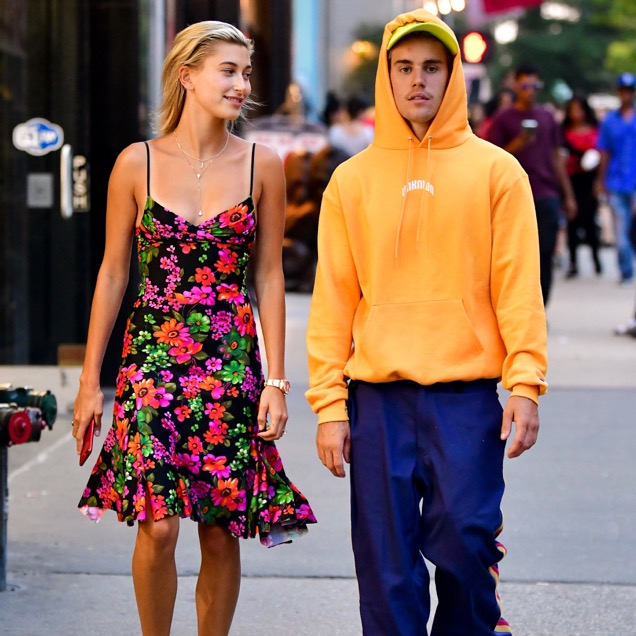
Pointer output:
x,y
87,444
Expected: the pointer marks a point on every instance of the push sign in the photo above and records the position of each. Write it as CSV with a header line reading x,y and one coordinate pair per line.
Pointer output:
x,y
38,136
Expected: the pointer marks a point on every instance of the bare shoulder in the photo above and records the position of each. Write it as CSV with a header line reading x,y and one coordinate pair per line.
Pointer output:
x,y
267,158
133,156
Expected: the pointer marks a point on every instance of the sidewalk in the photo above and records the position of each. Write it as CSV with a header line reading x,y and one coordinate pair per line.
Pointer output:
x,y
570,507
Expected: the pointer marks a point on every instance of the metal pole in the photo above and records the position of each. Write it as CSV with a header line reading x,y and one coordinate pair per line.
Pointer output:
x,y
4,518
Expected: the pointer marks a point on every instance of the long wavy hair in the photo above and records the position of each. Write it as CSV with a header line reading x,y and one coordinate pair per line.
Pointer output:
x,y
190,48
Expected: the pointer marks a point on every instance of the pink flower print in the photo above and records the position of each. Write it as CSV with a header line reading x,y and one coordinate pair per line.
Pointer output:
x,y
185,352
237,529
244,321
132,373
237,218
217,433
197,295
147,394
166,375
227,495
213,365
272,457
227,261
190,462
231,293
216,466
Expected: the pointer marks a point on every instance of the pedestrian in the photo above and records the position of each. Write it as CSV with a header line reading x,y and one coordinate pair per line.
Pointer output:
x,y
352,134
194,421
580,135
530,133
502,100
427,292
617,171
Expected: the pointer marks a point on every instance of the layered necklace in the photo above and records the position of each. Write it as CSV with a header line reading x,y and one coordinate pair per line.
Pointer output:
x,y
204,164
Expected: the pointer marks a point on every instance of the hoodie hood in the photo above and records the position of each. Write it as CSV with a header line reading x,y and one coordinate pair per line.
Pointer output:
x,y
450,126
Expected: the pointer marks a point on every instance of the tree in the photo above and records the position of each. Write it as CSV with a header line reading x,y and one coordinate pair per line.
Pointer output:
x,y
574,52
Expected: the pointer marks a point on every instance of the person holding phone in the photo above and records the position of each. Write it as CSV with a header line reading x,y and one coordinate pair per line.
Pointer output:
x,y
530,133
194,421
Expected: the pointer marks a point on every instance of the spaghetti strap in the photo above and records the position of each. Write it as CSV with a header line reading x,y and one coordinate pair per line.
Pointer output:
x,y
252,169
148,167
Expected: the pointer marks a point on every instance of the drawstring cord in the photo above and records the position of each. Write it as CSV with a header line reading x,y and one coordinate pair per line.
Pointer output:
x,y
426,185
408,176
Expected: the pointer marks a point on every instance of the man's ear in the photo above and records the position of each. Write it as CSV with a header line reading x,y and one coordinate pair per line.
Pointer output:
x,y
185,77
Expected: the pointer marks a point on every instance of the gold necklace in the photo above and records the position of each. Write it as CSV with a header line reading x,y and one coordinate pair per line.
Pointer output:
x,y
202,169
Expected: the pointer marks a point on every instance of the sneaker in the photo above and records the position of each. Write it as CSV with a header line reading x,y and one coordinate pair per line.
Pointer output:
x,y
628,329
625,282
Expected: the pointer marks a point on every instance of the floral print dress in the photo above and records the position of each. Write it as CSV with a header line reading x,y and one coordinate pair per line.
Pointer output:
x,y
184,436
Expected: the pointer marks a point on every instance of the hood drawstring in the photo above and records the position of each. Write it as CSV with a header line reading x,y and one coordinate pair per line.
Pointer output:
x,y
423,195
408,176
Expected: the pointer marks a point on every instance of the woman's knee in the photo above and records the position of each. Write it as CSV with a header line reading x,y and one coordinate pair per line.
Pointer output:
x,y
216,540
159,535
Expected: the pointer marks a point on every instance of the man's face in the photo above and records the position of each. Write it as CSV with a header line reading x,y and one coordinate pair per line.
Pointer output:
x,y
626,95
419,74
527,88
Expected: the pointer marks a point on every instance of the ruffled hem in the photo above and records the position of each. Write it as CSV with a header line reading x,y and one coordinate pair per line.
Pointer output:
x,y
270,535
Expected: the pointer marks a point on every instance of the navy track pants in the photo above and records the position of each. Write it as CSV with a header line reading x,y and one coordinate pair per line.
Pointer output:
x,y
427,481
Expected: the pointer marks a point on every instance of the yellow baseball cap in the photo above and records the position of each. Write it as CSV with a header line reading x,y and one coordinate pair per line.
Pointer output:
x,y
445,36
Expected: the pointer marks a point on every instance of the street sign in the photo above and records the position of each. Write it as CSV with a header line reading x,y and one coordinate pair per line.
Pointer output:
x,y
38,136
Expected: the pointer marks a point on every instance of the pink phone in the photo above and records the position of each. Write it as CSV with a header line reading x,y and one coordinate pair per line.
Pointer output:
x,y
87,444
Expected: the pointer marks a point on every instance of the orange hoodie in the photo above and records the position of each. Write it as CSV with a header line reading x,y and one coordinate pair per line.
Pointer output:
x,y
428,259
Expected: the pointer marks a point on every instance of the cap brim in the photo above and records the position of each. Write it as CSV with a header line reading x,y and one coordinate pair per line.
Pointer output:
x,y
435,30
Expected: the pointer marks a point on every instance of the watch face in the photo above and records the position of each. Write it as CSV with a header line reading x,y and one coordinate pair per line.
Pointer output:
x,y
286,386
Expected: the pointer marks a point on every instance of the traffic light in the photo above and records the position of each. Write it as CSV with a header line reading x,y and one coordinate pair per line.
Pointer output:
x,y
475,47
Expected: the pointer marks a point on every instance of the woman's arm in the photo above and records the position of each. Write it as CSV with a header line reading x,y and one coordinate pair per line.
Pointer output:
x,y
270,284
121,213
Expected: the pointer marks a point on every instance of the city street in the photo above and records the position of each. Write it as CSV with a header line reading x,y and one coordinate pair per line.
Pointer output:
x,y
570,506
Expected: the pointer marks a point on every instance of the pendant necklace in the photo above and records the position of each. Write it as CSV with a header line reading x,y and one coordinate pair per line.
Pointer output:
x,y
202,167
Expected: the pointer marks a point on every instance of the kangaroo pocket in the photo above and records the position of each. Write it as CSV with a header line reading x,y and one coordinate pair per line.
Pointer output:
x,y
426,342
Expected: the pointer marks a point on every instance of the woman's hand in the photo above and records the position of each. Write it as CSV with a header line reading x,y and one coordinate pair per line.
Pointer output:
x,y
89,404
272,414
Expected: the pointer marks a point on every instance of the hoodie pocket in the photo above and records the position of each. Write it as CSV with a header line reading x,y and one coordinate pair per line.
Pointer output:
x,y
422,341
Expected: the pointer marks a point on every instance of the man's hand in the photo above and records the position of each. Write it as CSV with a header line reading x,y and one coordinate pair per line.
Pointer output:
x,y
333,441
525,414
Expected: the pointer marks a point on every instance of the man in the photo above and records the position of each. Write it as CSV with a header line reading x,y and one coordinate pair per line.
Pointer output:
x,y
427,291
617,171
530,133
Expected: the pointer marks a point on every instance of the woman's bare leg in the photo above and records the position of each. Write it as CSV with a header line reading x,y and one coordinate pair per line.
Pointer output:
x,y
155,574
219,580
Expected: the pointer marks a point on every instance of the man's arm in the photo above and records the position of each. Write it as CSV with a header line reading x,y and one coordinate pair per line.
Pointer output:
x,y
515,288
330,331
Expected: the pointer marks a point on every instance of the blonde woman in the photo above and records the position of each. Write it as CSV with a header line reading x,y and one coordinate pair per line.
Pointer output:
x,y
194,419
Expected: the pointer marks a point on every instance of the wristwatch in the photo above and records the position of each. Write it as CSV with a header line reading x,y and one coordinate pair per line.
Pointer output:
x,y
283,385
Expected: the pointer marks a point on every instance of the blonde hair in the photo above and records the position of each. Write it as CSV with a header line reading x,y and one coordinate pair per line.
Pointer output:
x,y
190,48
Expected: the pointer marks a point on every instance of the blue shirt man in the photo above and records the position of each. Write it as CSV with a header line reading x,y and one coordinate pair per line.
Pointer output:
x,y
617,172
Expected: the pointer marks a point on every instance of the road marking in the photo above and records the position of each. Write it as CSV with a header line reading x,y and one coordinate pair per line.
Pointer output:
x,y
40,458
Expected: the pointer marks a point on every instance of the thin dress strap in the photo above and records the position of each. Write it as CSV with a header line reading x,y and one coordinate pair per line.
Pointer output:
x,y
148,167
252,169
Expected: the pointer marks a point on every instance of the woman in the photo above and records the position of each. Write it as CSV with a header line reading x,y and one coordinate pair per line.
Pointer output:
x,y
580,132
194,429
